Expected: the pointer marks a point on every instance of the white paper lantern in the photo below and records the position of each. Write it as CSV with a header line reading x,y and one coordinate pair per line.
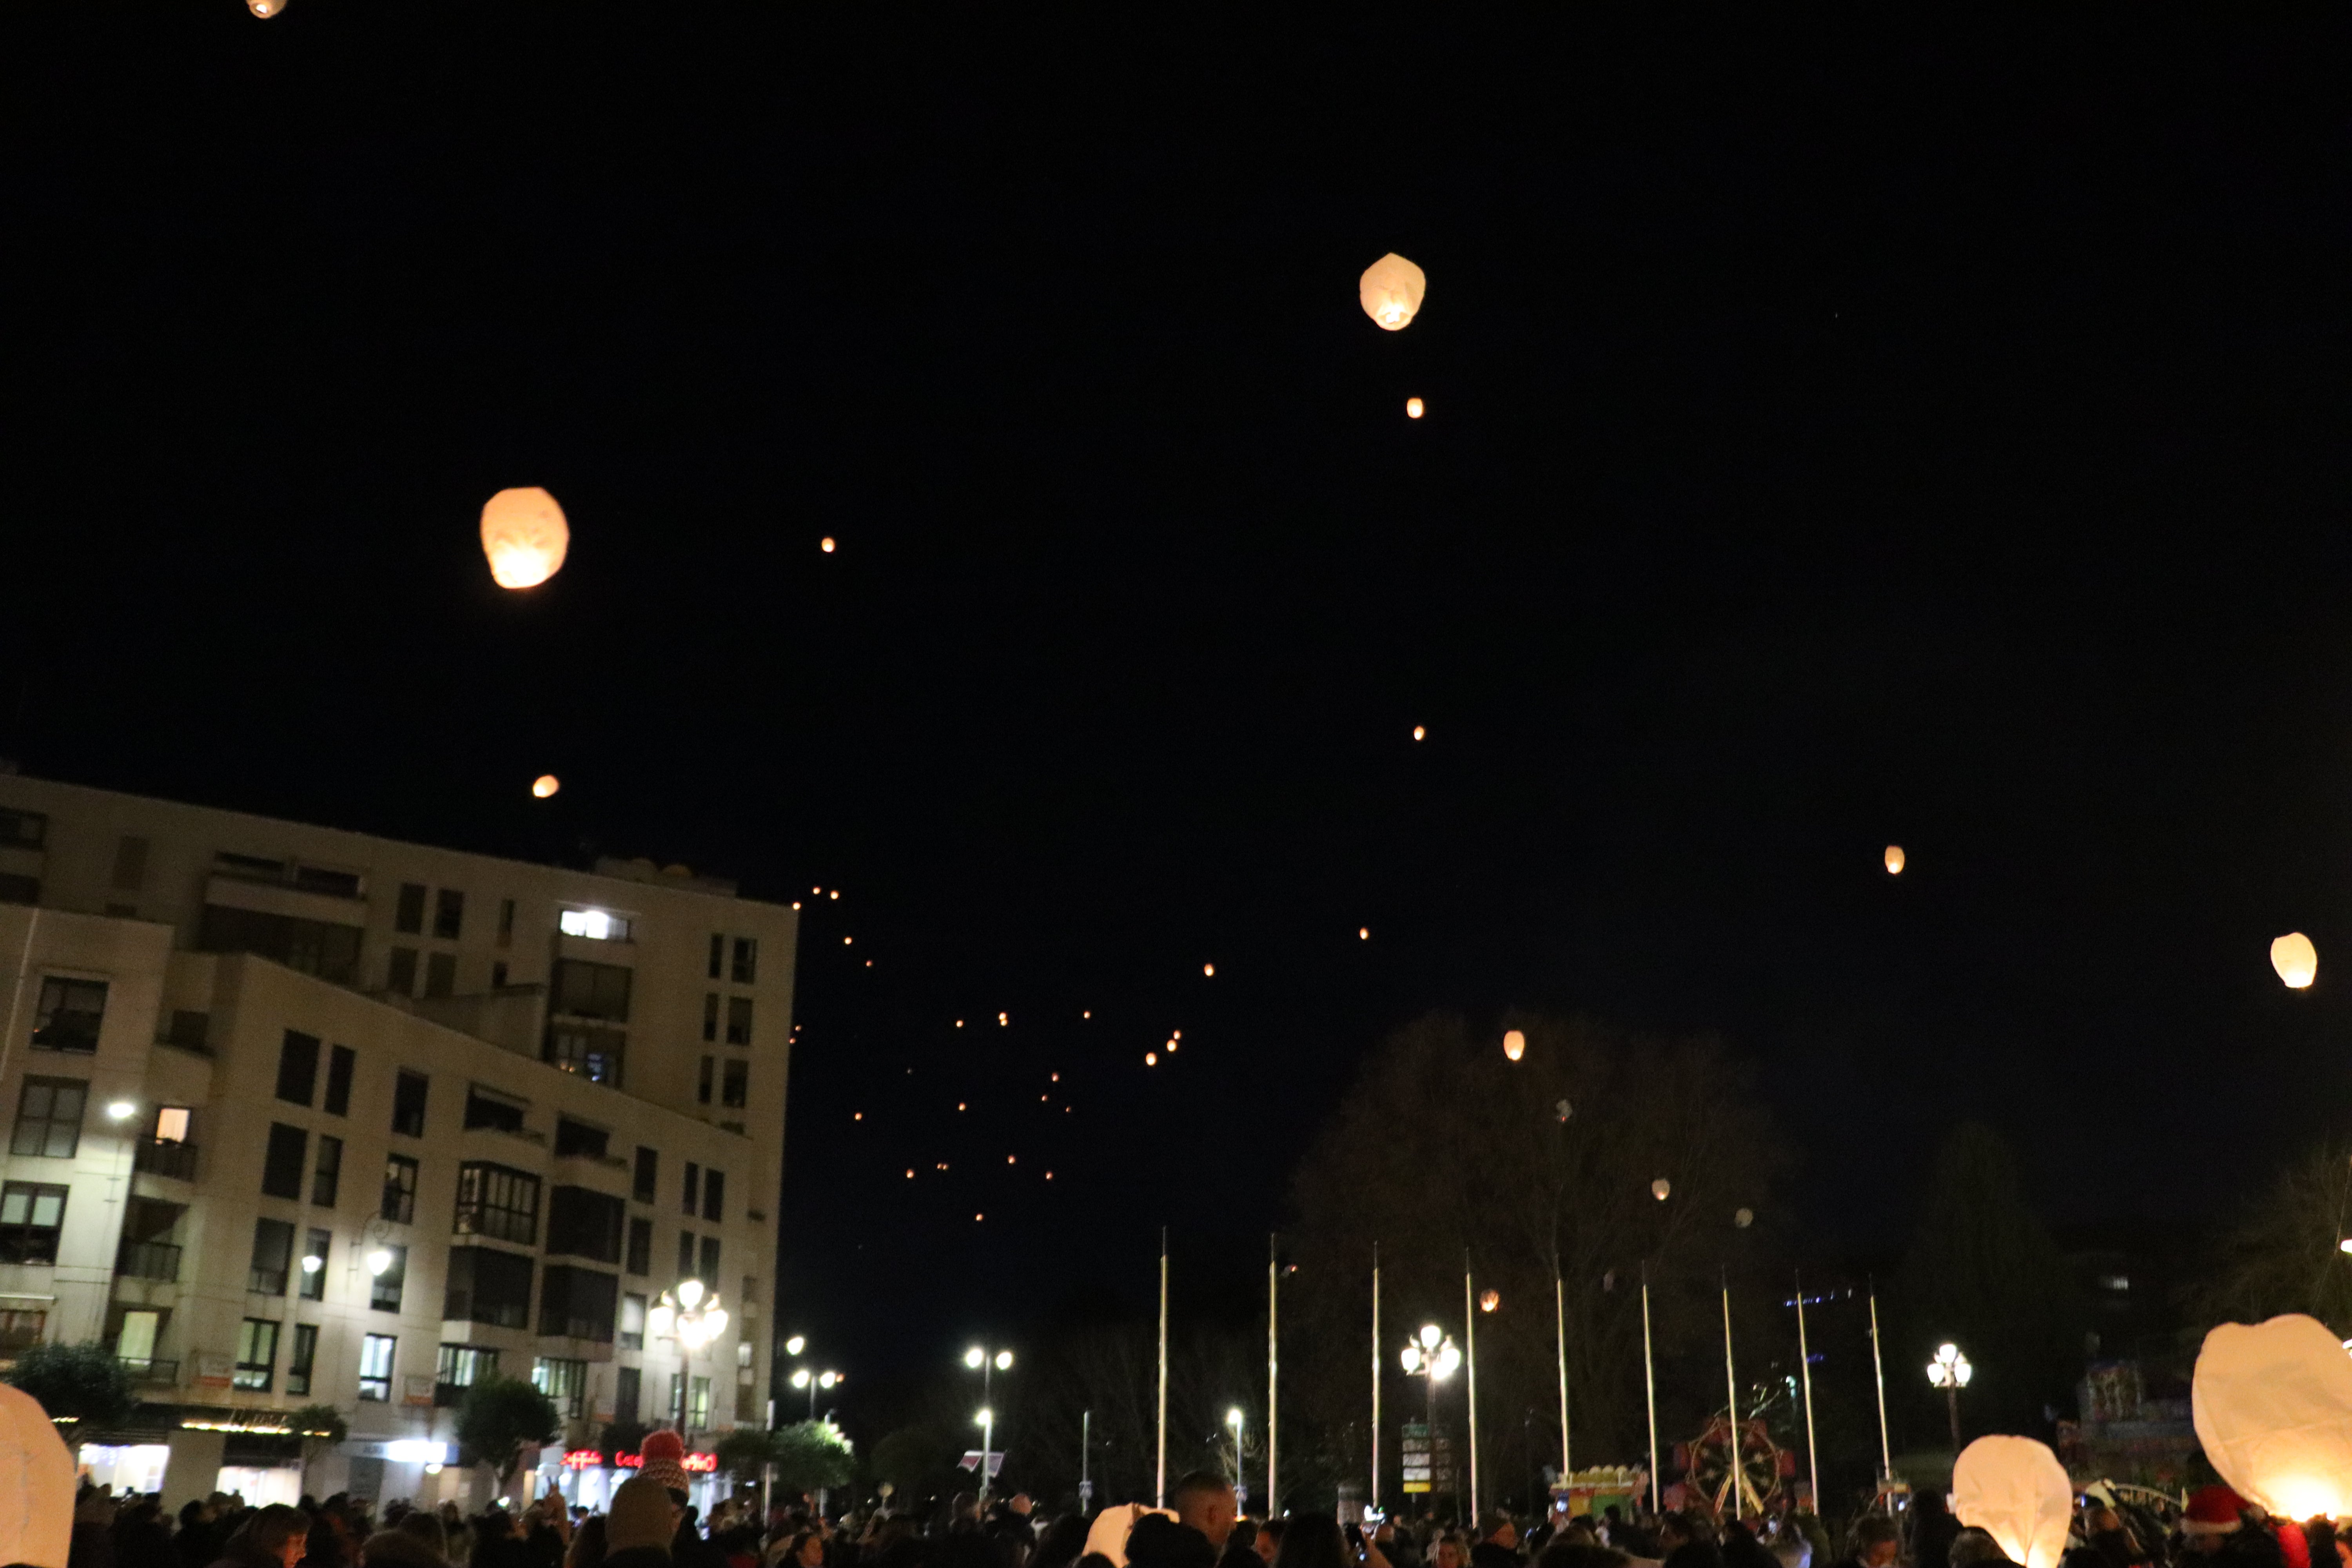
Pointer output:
x,y
265,8
1660,1188
2272,1407
1514,1044
1108,1532
1412,408
2297,961
2015,1490
545,785
36,1484
1390,290
1895,860
524,535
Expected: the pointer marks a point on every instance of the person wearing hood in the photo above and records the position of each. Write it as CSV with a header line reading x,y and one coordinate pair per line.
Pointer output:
x,y
640,1524
1498,1544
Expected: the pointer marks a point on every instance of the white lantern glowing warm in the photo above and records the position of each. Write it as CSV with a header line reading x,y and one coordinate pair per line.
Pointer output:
x,y
1412,408
524,535
545,785
265,8
1390,290
1489,1299
2015,1490
2272,1407
1895,860
1514,1044
2297,963
36,1483
1661,1189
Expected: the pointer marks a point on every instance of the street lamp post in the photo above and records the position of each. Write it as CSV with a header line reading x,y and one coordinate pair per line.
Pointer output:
x,y
983,1361
803,1378
695,1316
1432,1356
1950,1372
1233,1420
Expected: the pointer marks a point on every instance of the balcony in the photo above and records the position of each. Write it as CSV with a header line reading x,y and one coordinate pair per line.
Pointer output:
x,y
149,1260
263,1281
162,1157
151,1369
448,1396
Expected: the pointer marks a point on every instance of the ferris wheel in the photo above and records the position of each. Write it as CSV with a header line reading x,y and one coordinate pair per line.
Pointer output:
x,y
1760,1466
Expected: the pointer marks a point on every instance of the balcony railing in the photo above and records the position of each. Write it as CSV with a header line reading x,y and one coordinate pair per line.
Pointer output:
x,y
151,1369
148,1260
162,1157
266,1281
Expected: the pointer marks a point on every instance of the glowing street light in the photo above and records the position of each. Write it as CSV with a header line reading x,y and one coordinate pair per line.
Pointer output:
x,y
693,1314
1233,1420
980,1359
1950,1372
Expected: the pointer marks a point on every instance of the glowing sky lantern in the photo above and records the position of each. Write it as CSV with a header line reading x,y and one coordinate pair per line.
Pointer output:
x,y
1895,860
2015,1490
1390,290
2273,1408
265,8
1412,409
1209,969
1363,934
545,785
1514,1044
1489,1299
1660,1188
1420,732
2297,963
826,544
524,535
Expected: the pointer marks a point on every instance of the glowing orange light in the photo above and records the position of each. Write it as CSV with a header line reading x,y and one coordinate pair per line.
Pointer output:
x,y
869,963
2297,961
1514,1044
976,1218
523,534
1054,1079
1412,407
1489,1301
1208,968
1895,860
1003,1019
826,544
1044,1097
958,1023
910,1173
816,889
847,939
1363,934
1008,1159
1049,1175
859,1117
265,8
796,903
835,894
959,1105
1088,1014
1151,1059
1391,290
1420,732
545,785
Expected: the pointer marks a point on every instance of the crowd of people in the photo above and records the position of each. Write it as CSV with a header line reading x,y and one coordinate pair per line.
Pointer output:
x,y
651,1523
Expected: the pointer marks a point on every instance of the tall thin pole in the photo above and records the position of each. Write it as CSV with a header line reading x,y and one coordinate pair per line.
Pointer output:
x,y
1650,1380
1272,1380
1085,1444
1805,1361
1731,1390
1160,1485
1560,1307
1470,1334
1878,1369
1375,1492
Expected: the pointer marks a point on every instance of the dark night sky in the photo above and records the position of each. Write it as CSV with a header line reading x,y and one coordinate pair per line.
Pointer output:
x,y
1882,429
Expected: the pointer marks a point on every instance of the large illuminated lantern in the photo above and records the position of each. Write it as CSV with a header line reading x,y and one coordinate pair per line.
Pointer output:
x,y
2015,1490
2273,1404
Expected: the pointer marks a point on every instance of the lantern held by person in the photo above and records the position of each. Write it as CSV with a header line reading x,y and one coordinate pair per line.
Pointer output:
x,y
2015,1490
1391,290
36,1483
2297,961
524,535
2272,1407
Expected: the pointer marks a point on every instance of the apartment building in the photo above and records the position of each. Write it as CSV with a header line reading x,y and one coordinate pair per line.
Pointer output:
x,y
302,1117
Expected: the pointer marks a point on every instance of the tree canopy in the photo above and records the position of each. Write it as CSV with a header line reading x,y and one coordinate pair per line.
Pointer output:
x,y
499,1417
85,1383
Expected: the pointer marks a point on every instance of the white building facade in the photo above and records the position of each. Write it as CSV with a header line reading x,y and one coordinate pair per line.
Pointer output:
x,y
302,1117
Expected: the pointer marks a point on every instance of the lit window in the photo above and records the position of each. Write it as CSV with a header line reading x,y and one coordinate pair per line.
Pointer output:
x,y
596,925
375,1367
172,1125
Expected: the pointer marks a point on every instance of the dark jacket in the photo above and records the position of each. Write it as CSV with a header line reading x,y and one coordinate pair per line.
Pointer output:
x,y
1487,1555
689,1550
639,1557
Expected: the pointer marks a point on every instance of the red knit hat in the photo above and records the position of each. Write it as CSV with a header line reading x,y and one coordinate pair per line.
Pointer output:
x,y
664,1453
2213,1510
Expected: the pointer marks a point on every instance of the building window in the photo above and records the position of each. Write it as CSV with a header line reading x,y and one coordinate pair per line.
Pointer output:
x,y
328,950
691,1190
594,1054
385,1295
647,1174
505,923
257,1354
408,1104
641,1247
596,925
580,1138
735,1090
297,1067
577,1303
408,917
340,1062
486,1109
462,1366
49,1117
399,1189
710,1016
441,975
710,1258
702,1080
273,1255
190,1030
685,1255
699,1418
714,1194
583,990
584,1224
633,1321
487,1286
23,829
316,1246
375,1367
561,1382
129,863
326,1176
68,1015
31,1214
282,1166
739,1020
305,1354
717,954
628,1385
498,973
746,971
400,972
448,913
173,1123
496,1202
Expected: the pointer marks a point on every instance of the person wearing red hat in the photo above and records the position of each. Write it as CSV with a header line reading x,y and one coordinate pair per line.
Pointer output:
x,y
2219,1527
